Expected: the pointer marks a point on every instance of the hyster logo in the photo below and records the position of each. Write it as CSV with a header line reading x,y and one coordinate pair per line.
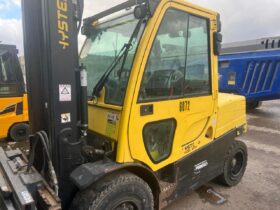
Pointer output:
x,y
200,166
62,23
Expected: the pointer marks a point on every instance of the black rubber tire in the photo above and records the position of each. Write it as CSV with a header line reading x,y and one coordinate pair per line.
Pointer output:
x,y
19,132
112,192
253,105
235,164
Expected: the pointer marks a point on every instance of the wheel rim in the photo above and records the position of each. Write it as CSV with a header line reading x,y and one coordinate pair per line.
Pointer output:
x,y
127,204
21,132
237,164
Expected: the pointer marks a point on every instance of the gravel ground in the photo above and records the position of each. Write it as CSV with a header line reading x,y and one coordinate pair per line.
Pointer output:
x,y
260,186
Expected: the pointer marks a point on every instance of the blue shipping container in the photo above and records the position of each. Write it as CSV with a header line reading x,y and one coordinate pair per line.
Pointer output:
x,y
255,75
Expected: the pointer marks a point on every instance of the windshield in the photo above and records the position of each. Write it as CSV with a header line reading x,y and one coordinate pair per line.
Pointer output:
x,y
101,49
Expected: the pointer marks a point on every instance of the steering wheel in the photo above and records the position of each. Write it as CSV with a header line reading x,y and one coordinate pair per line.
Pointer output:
x,y
174,80
188,87
125,71
176,63
111,87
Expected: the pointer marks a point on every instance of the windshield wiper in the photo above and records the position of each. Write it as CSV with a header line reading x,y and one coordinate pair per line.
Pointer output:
x,y
122,54
98,87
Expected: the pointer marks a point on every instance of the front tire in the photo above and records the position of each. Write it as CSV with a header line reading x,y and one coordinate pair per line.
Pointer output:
x,y
116,192
235,164
19,132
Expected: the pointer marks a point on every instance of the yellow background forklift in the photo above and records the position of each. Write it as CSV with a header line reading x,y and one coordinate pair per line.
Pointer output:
x,y
13,98
137,122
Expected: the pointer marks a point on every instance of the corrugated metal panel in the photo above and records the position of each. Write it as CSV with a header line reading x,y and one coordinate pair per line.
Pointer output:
x,y
260,76
257,74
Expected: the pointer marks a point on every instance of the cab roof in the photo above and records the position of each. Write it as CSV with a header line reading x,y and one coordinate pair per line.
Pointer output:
x,y
4,48
152,6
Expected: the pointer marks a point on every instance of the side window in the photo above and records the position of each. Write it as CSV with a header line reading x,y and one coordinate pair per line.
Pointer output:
x,y
8,82
178,64
197,76
164,72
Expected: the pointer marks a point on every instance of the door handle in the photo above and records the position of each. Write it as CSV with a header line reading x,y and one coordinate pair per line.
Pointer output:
x,y
146,110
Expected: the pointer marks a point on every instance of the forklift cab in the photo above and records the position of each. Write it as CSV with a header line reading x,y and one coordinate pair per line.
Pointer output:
x,y
163,79
13,98
153,97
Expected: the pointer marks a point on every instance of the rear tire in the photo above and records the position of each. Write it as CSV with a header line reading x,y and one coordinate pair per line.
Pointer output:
x,y
116,192
235,164
19,132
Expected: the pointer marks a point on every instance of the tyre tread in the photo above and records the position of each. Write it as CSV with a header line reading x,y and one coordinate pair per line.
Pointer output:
x,y
93,196
233,147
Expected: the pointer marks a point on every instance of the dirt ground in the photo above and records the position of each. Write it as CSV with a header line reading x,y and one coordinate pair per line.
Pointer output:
x,y
260,186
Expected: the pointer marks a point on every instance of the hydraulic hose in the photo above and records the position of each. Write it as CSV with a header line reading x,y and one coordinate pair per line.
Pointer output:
x,y
43,137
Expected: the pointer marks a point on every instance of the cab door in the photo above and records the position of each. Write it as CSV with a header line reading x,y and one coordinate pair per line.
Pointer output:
x,y
173,111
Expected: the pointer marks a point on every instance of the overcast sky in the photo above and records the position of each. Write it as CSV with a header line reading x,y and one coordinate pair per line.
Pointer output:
x,y
241,19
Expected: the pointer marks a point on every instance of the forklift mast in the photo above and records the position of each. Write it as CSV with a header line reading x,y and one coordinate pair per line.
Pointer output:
x,y
51,56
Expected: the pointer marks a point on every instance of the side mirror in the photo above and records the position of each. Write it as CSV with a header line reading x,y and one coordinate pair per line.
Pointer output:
x,y
218,38
140,11
85,31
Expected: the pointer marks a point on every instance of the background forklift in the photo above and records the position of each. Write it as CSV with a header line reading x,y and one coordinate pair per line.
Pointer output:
x,y
150,126
13,98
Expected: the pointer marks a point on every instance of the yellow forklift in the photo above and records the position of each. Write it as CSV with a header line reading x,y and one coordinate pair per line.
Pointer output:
x,y
13,98
136,121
